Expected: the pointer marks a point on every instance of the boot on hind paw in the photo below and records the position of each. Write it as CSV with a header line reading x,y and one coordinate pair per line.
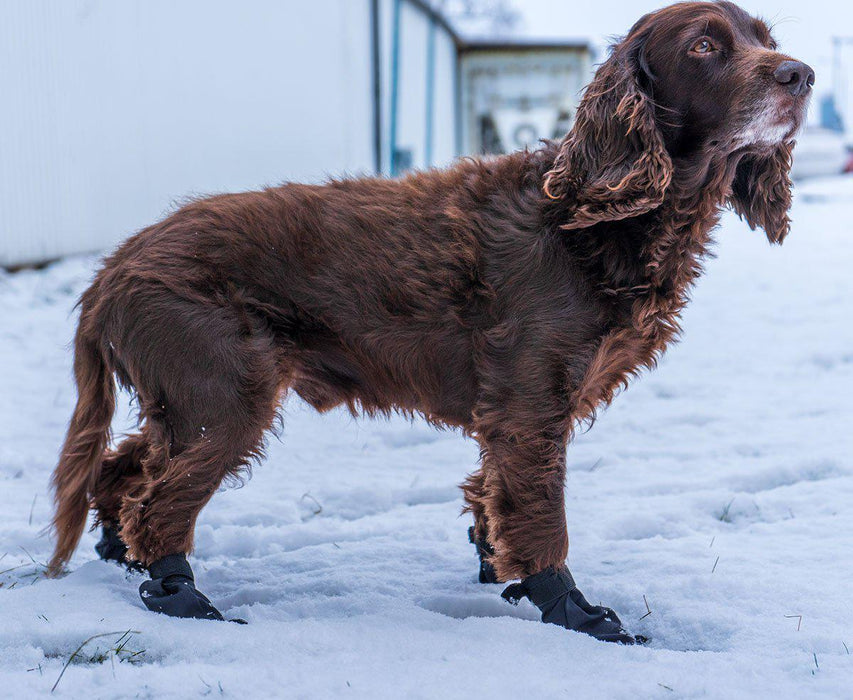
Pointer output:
x,y
172,591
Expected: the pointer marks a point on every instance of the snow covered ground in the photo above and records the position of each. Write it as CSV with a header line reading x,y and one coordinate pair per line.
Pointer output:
x,y
718,489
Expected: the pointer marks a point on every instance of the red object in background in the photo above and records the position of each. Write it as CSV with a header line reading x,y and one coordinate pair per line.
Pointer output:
x,y
848,166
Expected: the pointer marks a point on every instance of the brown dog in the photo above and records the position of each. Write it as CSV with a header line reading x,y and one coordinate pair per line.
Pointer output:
x,y
508,298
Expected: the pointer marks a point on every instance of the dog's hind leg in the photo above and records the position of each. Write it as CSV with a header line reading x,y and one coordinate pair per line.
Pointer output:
x,y
208,391
120,475
158,522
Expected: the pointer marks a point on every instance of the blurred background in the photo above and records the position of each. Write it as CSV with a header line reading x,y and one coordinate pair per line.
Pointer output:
x,y
115,110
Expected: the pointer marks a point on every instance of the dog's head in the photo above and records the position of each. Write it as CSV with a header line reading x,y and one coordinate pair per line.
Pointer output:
x,y
690,83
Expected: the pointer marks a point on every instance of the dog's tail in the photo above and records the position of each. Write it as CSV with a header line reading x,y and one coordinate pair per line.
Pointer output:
x,y
82,454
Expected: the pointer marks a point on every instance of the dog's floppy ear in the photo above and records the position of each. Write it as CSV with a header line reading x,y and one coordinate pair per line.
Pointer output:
x,y
613,164
761,191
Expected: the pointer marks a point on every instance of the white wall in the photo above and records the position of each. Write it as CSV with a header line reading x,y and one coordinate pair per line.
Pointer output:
x,y
114,109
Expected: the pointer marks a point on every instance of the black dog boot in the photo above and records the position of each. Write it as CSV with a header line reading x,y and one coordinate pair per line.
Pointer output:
x,y
484,551
112,548
172,590
554,592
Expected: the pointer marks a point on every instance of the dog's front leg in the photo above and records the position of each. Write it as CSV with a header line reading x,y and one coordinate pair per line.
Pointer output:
x,y
523,504
521,507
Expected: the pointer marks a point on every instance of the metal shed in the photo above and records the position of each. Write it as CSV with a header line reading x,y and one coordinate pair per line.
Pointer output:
x,y
516,93
115,110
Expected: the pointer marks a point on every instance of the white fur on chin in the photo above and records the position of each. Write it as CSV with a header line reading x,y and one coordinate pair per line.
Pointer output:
x,y
769,127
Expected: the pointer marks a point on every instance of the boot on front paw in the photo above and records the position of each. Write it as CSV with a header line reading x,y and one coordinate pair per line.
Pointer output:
x,y
554,592
112,548
172,590
484,551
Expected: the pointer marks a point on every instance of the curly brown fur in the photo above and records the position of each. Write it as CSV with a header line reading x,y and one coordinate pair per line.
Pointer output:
x,y
508,298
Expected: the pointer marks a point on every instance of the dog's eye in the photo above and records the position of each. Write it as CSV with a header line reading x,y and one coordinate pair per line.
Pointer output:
x,y
703,46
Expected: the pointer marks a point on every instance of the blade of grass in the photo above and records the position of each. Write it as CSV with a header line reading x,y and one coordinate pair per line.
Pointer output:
x,y
80,648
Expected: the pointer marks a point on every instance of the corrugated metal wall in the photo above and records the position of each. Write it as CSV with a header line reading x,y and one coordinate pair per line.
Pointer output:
x,y
115,109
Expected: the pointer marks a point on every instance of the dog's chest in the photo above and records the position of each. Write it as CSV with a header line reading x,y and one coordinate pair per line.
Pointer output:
x,y
644,323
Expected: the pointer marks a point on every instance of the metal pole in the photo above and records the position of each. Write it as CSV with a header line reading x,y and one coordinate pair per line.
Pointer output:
x,y
430,92
839,84
376,78
395,87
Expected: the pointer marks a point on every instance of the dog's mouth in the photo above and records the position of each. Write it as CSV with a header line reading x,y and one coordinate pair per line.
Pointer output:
x,y
792,111
778,120
784,128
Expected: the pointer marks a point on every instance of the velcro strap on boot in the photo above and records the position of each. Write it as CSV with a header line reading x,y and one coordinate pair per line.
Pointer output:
x,y
541,588
171,565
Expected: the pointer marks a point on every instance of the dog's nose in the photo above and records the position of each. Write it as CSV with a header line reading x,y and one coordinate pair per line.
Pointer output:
x,y
796,76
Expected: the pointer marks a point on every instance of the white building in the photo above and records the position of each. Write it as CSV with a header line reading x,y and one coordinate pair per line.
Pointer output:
x,y
115,110
515,94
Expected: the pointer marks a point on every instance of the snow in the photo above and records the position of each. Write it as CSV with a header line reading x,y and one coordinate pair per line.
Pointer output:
x,y
716,489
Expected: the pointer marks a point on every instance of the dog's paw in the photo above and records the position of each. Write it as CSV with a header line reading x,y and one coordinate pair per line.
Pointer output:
x,y
172,590
554,592
177,596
